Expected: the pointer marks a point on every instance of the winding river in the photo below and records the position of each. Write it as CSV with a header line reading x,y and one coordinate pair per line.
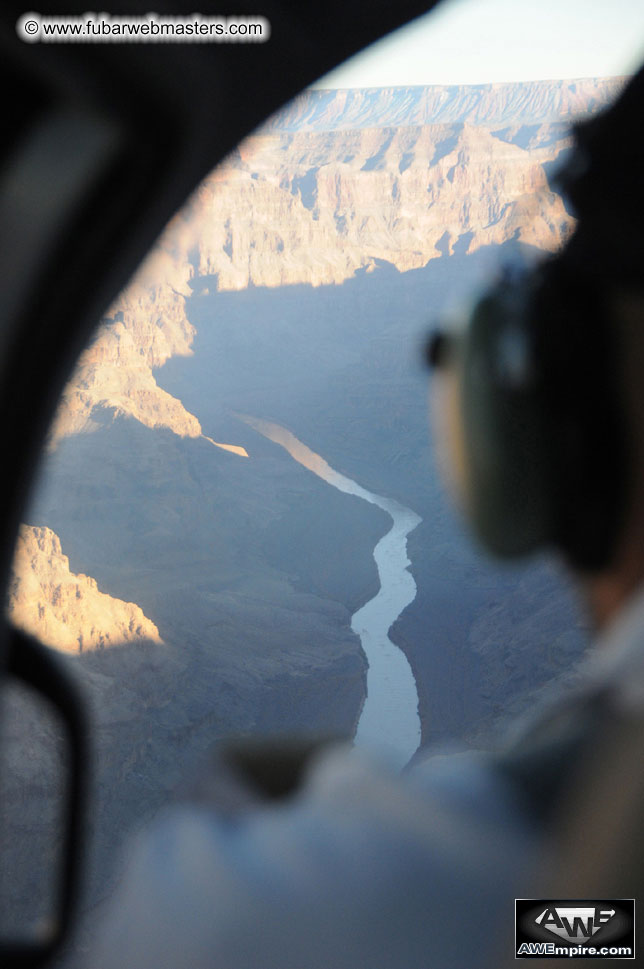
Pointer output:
x,y
389,720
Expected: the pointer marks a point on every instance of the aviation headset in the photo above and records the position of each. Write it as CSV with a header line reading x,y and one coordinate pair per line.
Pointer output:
x,y
538,448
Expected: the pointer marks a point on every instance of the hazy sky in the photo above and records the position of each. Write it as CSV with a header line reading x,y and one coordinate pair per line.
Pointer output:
x,y
474,41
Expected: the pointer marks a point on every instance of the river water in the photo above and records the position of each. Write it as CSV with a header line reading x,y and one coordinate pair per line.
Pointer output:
x,y
389,720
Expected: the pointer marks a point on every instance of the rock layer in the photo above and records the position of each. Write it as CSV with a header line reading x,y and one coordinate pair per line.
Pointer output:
x,y
528,102
333,183
65,610
145,327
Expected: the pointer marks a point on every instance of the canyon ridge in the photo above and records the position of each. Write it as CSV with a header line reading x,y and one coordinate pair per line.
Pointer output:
x,y
199,582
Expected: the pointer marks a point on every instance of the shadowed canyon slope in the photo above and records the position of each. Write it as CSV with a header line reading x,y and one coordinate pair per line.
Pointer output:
x,y
401,175
336,184
114,375
295,286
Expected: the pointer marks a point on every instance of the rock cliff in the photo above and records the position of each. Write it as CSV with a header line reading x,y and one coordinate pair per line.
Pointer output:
x,y
65,610
337,182
251,569
333,183
525,103
315,207
145,327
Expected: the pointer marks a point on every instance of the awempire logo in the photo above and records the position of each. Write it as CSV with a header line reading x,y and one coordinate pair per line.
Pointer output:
x,y
574,923
574,928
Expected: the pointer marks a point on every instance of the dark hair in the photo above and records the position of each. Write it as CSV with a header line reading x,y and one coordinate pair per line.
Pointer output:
x,y
603,183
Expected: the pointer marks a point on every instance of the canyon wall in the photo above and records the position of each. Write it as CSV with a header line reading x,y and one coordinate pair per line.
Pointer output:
x,y
65,610
509,103
332,184
290,286
335,183
146,326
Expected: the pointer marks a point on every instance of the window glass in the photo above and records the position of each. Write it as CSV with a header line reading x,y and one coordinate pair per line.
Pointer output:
x,y
239,515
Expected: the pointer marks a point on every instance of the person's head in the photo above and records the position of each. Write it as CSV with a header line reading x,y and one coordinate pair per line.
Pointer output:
x,y
548,379
604,185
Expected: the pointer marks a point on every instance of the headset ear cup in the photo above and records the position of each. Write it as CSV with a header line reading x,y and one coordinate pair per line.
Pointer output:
x,y
543,450
508,491
584,408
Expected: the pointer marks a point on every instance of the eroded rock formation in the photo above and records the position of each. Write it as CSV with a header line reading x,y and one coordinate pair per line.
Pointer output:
x,y
333,184
330,185
145,327
511,103
65,610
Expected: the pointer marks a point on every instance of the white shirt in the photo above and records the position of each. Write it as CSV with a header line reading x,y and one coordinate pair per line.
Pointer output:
x,y
361,869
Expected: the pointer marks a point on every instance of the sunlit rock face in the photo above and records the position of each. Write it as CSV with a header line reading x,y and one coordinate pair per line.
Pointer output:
x,y
330,185
65,610
249,568
528,102
145,327
339,179
326,204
